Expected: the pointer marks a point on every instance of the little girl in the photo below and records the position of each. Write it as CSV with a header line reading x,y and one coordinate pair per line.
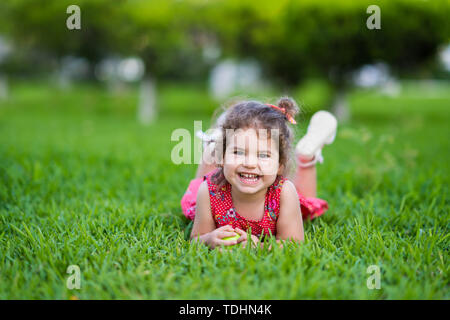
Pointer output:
x,y
246,187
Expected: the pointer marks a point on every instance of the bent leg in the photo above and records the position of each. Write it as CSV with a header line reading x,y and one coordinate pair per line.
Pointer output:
x,y
305,179
321,131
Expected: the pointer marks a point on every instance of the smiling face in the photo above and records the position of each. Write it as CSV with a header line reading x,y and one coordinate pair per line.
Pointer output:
x,y
251,159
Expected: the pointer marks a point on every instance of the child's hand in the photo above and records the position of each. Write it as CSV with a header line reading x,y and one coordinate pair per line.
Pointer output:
x,y
215,237
243,239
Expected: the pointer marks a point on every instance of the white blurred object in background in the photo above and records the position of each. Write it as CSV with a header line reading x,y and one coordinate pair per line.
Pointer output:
x,y
147,101
444,56
211,52
131,69
5,50
107,70
116,71
229,76
222,79
70,68
3,87
377,75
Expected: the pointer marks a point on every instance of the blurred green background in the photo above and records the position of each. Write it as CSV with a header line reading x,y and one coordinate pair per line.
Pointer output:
x,y
86,117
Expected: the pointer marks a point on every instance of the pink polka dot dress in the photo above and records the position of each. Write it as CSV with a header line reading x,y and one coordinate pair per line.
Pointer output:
x,y
224,213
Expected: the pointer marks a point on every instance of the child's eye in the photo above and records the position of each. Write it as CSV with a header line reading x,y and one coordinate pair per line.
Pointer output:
x,y
264,155
238,152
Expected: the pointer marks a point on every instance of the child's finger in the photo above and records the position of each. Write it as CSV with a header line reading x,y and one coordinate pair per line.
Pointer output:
x,y
228,242
226,228
241,239
242,233
224,234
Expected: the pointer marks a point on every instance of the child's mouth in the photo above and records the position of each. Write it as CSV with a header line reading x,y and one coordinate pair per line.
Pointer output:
x,y
249,178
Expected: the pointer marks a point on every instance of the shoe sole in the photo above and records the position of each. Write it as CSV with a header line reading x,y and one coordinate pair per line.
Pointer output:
x,y
320,117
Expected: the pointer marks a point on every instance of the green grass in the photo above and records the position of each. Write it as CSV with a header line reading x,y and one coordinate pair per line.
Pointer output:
x,y
83,184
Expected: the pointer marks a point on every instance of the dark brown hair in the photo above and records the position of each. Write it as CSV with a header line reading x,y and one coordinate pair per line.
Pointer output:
x,y
257,115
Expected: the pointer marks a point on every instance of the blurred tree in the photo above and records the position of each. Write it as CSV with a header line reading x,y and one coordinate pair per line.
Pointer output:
x,y
292,39
159,32
41,25
297,39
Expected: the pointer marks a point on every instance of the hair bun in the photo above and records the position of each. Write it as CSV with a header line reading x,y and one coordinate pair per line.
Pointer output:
x,y
289,105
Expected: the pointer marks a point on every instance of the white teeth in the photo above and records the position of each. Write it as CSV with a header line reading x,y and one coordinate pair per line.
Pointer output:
x,y
251,176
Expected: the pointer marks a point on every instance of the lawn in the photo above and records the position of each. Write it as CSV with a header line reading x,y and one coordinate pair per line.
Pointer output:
x,y
82,183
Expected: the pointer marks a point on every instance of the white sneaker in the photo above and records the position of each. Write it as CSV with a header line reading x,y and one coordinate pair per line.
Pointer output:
x,y
207,138
216,131
321,130
209,141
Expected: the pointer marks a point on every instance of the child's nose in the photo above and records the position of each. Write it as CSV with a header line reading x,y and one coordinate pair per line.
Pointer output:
x,y
251,160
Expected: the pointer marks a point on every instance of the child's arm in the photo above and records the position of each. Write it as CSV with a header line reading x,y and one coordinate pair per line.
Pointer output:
x,y
204,227
290,222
